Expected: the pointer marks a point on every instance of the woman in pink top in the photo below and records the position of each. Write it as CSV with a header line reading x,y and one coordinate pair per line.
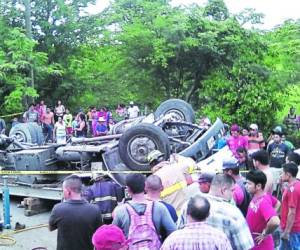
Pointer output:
x,y
236,140
95,117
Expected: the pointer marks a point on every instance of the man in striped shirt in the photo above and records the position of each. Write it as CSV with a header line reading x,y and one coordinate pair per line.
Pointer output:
x,y
197,234
224,215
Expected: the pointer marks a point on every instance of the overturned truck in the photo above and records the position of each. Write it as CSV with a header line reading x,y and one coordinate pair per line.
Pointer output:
x,y
170,129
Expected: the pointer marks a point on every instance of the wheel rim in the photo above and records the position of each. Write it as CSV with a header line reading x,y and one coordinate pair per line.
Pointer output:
x,y
20,136
139,147
176,115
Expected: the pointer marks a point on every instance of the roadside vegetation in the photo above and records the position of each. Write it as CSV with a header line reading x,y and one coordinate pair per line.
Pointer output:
x,y
149,51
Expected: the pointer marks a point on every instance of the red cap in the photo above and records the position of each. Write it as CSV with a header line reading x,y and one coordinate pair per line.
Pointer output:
x,y
108,237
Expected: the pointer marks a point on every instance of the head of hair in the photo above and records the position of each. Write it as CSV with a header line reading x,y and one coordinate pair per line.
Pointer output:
x,y
294,157
82,116
153,183
278,133
222,180
136,183
235,171
198,208
242,150
74,183
290,168
262,156
257,177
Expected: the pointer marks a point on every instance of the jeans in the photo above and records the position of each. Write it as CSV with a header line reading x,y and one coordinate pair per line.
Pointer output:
x,y
49,131
292,244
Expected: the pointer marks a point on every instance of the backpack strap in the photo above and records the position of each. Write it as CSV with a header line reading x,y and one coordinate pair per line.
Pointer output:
x,y
135,218
149,214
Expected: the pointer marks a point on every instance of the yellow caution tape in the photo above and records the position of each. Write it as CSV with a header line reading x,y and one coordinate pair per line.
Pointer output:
x,y
15,172
9,115
56,172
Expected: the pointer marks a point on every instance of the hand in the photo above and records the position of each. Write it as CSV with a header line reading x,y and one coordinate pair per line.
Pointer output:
x,y
285,236
260,237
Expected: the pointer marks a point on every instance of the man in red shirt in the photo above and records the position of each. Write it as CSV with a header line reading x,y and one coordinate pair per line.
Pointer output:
x,y
290,210
261,216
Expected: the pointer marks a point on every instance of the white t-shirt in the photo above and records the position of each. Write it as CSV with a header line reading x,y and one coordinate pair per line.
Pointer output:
x,y
133,112
60,133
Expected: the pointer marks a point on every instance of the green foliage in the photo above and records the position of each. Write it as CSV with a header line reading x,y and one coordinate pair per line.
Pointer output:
x,y
148,51
289,99
238,102
16,60
216,9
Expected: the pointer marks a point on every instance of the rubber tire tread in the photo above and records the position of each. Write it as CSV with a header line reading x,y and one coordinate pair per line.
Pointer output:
x,y
144,129
176,104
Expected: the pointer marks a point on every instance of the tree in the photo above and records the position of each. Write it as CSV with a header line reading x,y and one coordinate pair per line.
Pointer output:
x,y
16,58
58,28
217,10
284,59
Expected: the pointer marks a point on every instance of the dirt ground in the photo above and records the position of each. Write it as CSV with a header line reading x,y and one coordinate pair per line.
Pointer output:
x,y
38,238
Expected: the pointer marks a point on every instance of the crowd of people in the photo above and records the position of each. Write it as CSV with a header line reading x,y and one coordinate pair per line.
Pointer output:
x,y
178,207
59,123
243,143
170,209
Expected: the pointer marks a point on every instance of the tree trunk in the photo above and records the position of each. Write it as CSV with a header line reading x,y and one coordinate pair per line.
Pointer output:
x,y
29,35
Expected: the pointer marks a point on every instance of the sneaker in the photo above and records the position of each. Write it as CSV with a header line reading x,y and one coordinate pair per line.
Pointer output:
x,y
19,226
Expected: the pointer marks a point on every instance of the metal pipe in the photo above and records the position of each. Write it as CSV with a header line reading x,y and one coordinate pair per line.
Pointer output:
x,y
100,138
6,204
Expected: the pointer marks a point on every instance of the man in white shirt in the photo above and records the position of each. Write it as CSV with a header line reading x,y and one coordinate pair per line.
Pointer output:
x,y
133,110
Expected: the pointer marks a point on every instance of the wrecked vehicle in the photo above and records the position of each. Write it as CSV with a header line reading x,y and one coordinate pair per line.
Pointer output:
x,y
170,129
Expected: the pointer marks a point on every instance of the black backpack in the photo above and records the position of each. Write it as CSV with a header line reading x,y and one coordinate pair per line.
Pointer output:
x,y
247,198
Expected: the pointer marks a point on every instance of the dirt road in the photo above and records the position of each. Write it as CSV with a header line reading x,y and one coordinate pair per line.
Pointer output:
x,y
40,238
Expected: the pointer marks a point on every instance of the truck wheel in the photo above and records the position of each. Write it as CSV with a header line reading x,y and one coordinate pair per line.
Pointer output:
x,y
39,132
181,110
137,142
27,132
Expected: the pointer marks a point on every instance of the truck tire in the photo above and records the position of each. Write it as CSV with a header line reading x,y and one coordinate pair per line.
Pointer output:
x,y
39,133
180,108
137,142
27,132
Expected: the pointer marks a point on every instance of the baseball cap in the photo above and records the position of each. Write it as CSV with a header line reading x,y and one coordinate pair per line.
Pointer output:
x,y
253,126
131,103
108,237
277,130
235,127
230,163
206,177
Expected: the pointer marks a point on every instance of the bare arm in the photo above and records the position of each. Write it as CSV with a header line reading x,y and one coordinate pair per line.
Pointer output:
x,y
82,124
271,226
277,207
290,221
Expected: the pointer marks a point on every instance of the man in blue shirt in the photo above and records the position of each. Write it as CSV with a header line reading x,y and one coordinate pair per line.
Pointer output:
x,y
277,151
101,127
